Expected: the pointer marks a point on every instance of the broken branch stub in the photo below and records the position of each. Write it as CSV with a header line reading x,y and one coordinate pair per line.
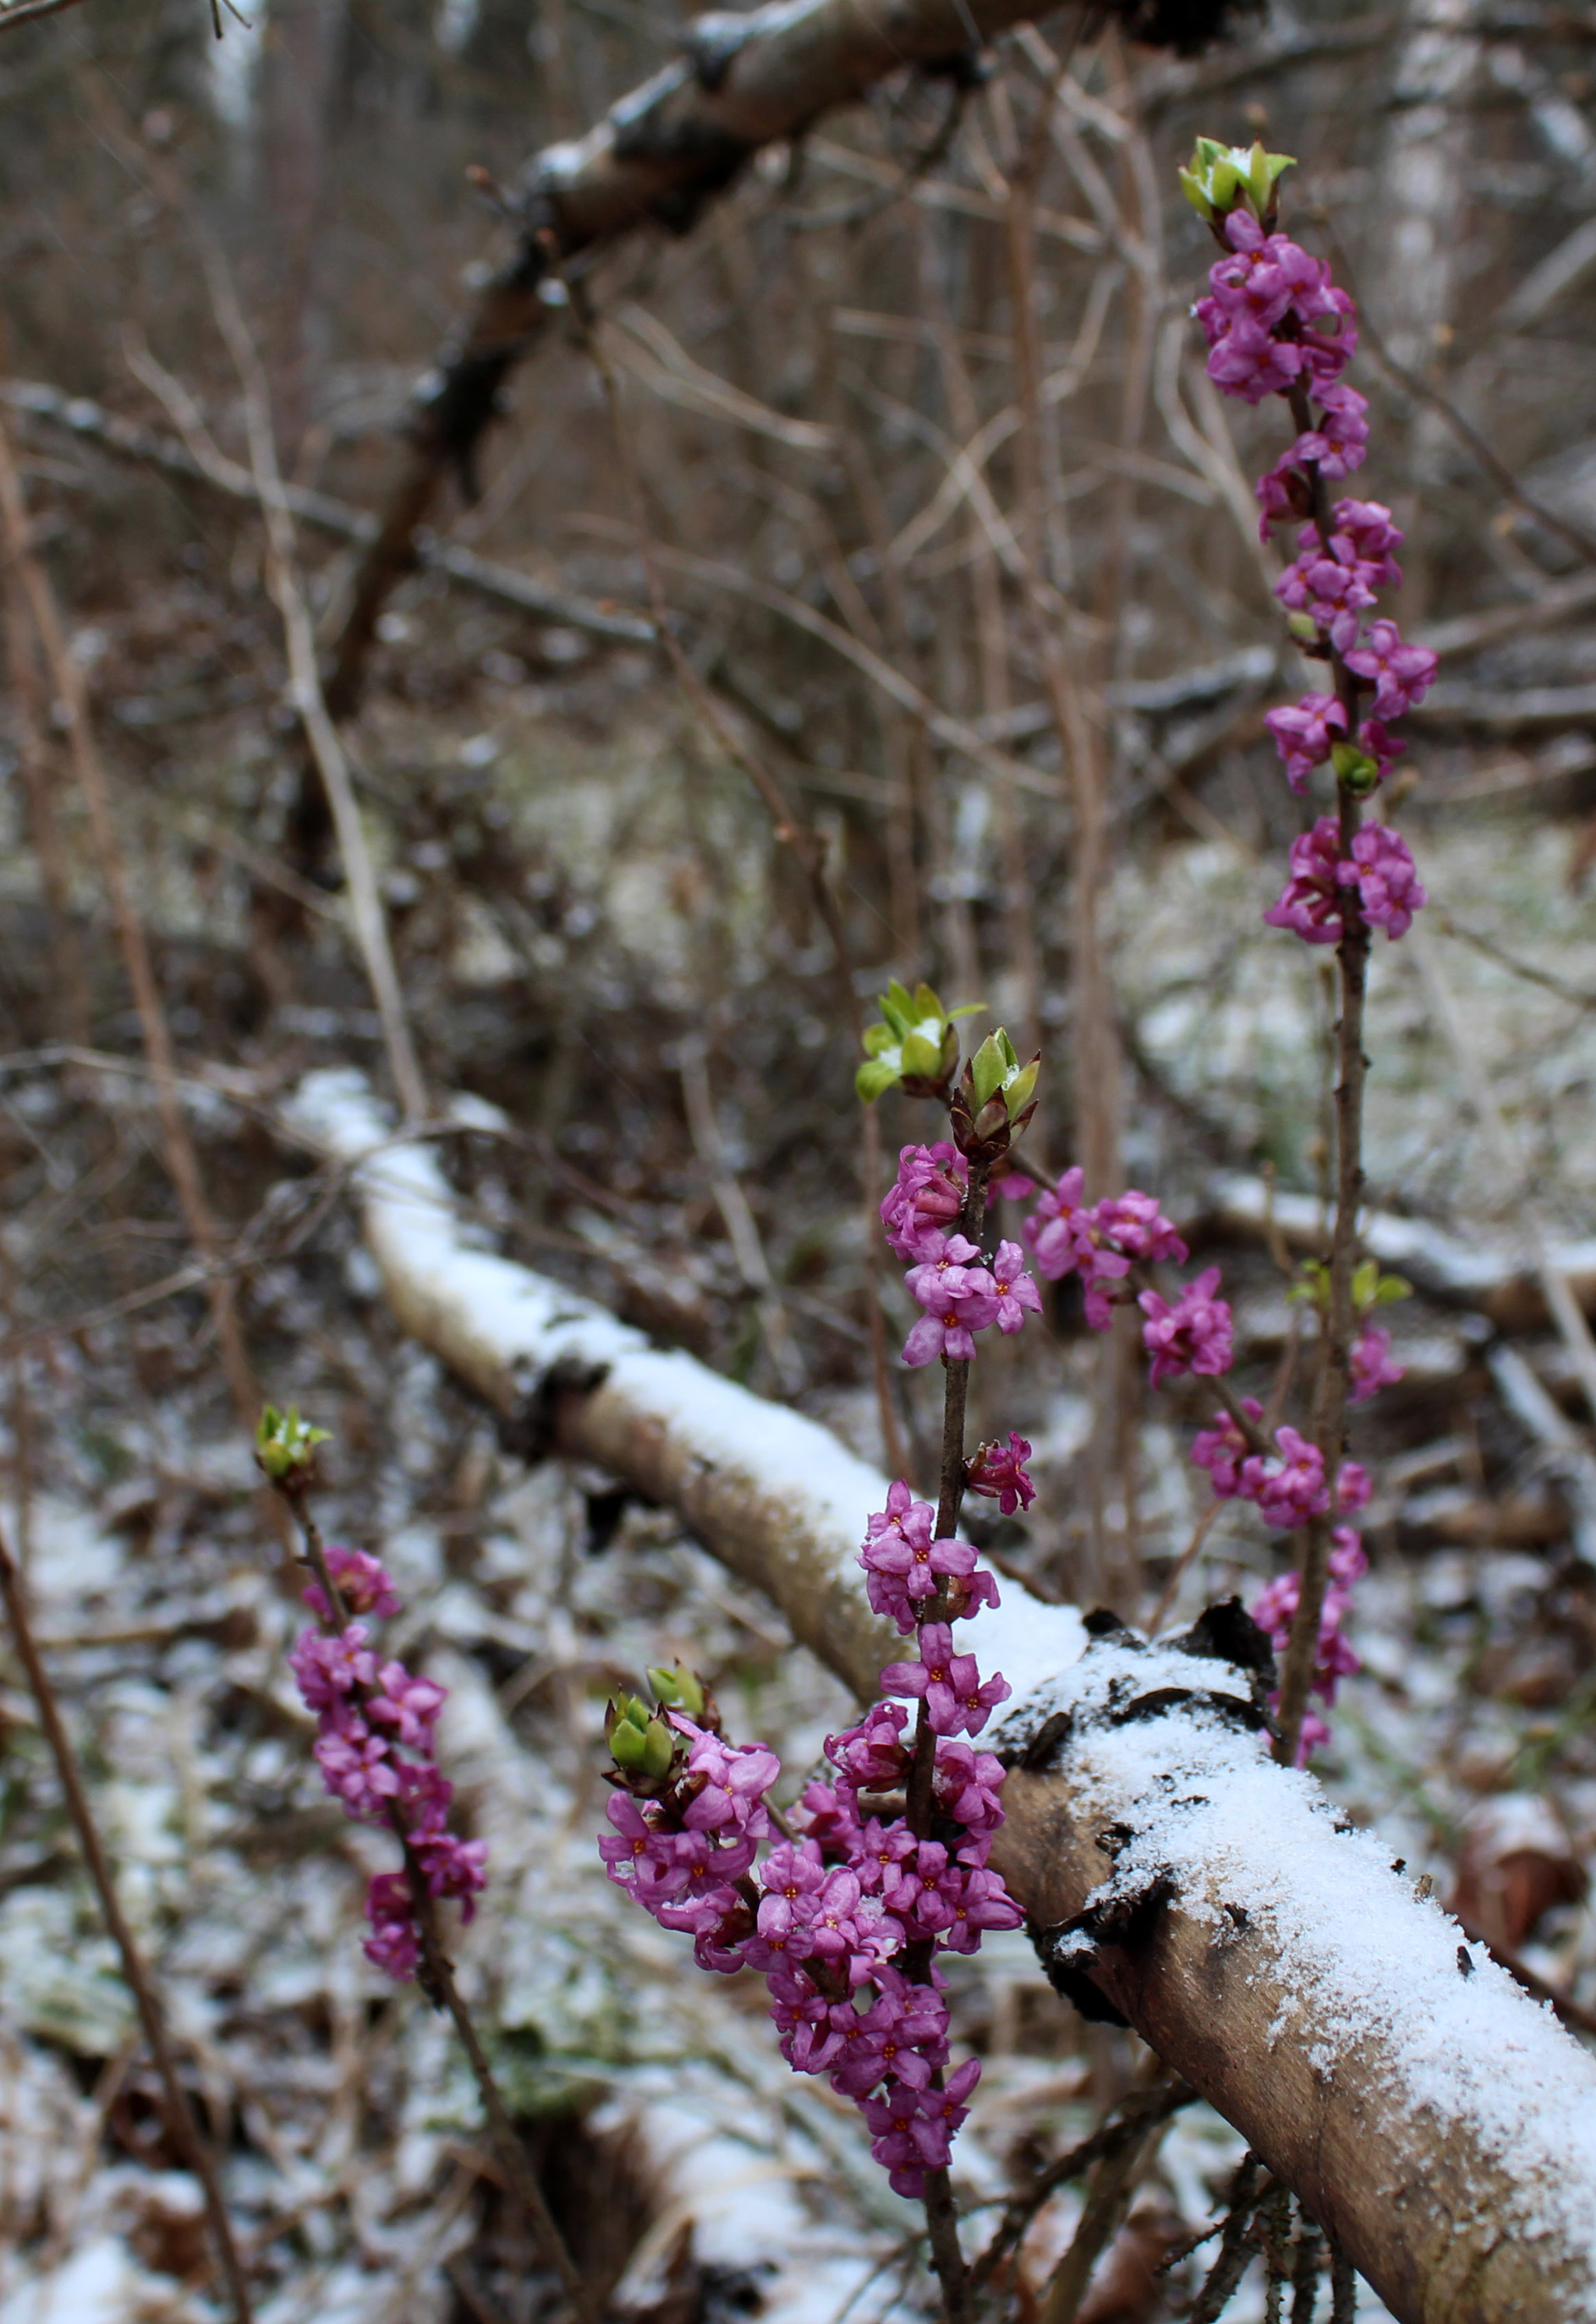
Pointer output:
x,y
1437,2121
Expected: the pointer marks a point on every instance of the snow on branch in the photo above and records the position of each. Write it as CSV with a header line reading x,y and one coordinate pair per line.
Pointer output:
x,y
1432,2117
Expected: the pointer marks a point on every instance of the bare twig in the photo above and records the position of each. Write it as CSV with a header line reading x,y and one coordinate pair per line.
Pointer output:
x,y
180,1159
180,2122
371,926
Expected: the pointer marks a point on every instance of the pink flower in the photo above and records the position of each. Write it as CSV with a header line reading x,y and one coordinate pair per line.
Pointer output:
x,y
1341,437
328,1669
1058,1231
983,1903
642,1856
1192,1335
948,1683
1223,1450
1244,359
999,1473
363,1583
903,1565
1289,1485
1372,1367
958,1293
1132,1224
1310,902
1304,737
394,1944
409,1705
454,1868
1016,1292
967,1785
1348,1560
873,1755
1388,886
1400,674
927,1198
730,1782
357,1769
903,2033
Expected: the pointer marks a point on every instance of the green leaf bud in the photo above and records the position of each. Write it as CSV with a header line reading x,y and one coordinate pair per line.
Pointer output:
x,y
1391,1287
678,1688
285,1443
1018,1088
1356,770
987,1068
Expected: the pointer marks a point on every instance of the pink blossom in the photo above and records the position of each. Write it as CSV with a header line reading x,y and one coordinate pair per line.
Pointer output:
x,y
958,1293
1223,1450
927,1198
357,1769
1389,888
330,1668
903,2033
1132,1224
1401,675
1192,1335
730,1780
363,1583
1288,1486
1352,1487
1016,1291
642,1856
1304,735
1340,440
903,1565
948,1683
1311,901
409,1705
394,1944
999,1473
983,1903
1348,1560
1372,1367
967,1785
873,1755
1058,1231
454,1868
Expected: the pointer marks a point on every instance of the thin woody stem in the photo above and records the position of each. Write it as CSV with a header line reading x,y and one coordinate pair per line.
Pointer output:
x,y
179,2117
436,1975
942,2222
1330,1402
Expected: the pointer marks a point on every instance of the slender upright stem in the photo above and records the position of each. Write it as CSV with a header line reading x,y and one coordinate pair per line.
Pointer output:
x,y
942,2220
1330,1403
179,2117
436,1976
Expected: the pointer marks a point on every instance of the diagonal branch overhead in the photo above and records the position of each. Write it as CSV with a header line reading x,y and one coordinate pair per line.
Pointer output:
x,y
659,155
1431,2116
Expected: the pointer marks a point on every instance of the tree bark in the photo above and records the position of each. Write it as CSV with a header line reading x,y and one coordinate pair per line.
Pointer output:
x,y
1432,2117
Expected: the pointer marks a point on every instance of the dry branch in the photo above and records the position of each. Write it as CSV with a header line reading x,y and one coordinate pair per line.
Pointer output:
x,y
656,157
1431,2116
90,422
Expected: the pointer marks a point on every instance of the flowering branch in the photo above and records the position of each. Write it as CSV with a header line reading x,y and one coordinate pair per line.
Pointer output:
x,y
366,1711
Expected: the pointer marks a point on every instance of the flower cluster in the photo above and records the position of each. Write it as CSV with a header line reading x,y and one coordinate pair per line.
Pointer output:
x,y
1277,325
1098,1243
961,1290
1276,1609
370,1712
847,1913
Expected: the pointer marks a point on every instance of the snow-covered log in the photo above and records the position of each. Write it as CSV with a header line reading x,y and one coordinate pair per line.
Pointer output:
x,y
1437,2121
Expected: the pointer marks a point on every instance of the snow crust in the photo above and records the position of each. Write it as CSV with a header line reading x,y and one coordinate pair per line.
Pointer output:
x,y
1368,1971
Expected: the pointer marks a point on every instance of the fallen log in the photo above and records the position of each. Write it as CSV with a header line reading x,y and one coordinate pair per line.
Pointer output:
x,y
1431,2115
